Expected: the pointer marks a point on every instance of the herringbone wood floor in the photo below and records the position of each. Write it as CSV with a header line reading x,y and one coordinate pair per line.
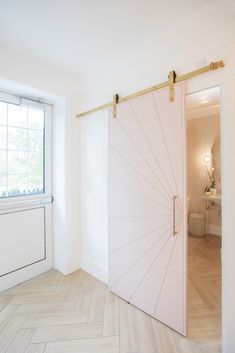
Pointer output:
x,y
204,286
77,314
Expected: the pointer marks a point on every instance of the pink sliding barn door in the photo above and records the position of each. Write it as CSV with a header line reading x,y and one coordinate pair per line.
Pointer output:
x,y
147,211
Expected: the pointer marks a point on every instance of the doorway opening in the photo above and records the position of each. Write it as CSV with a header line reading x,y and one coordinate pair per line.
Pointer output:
x,y
204,214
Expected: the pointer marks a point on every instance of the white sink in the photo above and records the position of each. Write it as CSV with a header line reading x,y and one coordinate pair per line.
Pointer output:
x,y
214,198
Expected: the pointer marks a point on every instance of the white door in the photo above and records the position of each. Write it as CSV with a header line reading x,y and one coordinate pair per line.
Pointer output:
x,y
25,190
147,213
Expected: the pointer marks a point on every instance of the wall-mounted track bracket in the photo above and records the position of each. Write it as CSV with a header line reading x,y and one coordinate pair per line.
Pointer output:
x,y
171,77
115,102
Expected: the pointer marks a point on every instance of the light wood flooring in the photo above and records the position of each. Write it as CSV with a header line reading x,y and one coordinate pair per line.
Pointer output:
x,y
54,313
204,288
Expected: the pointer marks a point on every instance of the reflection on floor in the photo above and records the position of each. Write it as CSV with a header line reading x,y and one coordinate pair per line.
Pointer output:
x,y
77,314
204,290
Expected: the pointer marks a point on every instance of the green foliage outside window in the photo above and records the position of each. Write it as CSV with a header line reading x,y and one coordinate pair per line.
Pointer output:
x,y
21,150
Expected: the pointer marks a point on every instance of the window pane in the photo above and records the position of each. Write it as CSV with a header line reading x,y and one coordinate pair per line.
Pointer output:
x,y
35,184
3,137
35,172
21,151
35,119
3,164
35,164
17,162
35,140
17,116
3,113
17,185
17,139
3,186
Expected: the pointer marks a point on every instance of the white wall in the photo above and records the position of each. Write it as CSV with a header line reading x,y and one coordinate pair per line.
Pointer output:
x,y
21,75
206,36
183,49
94,192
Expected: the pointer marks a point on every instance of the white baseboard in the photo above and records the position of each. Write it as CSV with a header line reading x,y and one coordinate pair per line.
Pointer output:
x,y
216,230
95,269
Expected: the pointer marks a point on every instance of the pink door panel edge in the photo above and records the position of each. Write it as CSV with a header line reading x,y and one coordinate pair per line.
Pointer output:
x,y
147,263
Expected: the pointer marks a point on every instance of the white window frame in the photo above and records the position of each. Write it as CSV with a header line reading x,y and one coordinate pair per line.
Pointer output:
x,y
46,196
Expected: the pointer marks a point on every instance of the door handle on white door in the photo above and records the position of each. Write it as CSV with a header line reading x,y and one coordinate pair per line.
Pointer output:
x,y
174,227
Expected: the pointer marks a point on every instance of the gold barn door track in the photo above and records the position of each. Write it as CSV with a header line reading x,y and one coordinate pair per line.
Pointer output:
x,y
172,79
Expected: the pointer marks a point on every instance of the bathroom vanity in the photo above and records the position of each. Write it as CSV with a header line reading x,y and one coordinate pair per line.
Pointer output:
x,y
210,202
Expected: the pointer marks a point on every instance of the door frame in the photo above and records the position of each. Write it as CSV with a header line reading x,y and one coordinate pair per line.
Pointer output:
x,y
186,164
226,81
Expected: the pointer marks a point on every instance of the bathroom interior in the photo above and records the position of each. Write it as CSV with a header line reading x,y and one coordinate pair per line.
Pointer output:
x,y
204,214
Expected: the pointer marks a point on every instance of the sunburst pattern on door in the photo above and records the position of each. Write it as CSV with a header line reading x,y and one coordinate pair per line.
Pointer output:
x,y
146,171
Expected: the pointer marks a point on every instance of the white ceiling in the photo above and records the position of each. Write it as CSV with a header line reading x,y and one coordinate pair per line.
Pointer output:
x,y
203,103
76,36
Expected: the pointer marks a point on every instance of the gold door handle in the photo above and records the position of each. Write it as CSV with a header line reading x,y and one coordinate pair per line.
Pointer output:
x,y
174,230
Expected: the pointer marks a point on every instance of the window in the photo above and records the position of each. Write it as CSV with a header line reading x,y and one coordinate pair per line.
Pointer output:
x,y
22,147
